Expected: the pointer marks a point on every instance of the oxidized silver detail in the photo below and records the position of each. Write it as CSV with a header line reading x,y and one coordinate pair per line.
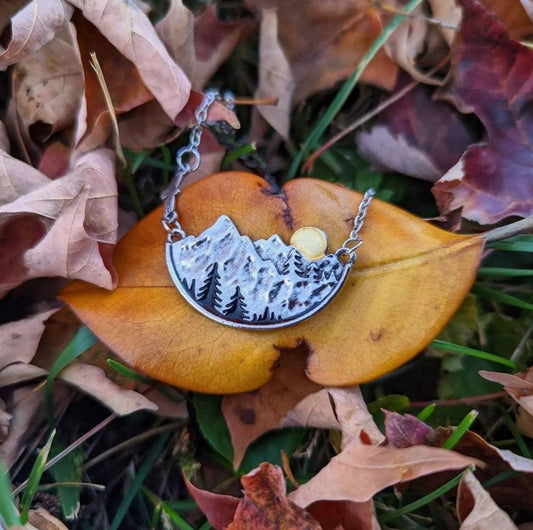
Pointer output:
x,y
264,284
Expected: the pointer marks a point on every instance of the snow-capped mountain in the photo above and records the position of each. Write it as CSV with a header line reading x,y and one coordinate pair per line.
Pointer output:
x,y
263,281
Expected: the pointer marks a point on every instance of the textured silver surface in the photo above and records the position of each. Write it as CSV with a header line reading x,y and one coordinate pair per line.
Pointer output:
x,y
262,284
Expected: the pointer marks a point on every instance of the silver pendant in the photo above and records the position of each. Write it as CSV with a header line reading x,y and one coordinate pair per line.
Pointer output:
x,y
264,284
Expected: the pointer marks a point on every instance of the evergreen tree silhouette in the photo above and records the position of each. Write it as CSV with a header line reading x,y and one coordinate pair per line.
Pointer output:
x,y
314,272
294,264
217,289
203,290
237,306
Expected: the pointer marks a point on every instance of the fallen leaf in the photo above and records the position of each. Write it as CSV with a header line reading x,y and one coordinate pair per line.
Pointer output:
x,y
200,45
476,509
276,79
360,471
41,519
47,87
19,339
130,31
33,26
491,74
92,380
219,509
519,386
265,504
64,227
514,491
250,415
20,373
26,415
147,323
303,51
127,89
399,141
342,409
344,515
405,430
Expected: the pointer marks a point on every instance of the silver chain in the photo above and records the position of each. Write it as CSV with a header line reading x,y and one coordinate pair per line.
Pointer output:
x,y
349,247
188,160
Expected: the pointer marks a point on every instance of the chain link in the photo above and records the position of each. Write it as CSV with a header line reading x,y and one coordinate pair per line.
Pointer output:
x,y
347,251
188,160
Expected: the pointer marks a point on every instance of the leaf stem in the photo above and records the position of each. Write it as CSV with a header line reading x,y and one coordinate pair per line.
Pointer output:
x,y
512,229
348,86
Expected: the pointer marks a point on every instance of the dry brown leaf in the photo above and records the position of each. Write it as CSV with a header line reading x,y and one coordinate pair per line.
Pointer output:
x,y
251,414
305,50
343,409
64,227
20,373
33,26
19,339
475,508
26,414
48,86
5,419
344,515
361,471
129,30
519,386
41,519
93,381
275,76
199,46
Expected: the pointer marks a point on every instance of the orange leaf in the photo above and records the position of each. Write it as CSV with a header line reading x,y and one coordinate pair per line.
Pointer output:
x,y
409,279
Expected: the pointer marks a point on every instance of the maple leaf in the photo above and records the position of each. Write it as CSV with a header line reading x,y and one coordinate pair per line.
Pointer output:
x,y
491,73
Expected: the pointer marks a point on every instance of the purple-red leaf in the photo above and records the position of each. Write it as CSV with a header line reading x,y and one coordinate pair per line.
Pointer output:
x,y
493,75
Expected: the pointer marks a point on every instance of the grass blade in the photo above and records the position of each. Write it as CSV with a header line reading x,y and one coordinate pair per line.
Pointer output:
x,y
520,243
408,508
498,296
35,477
426,412
153,454
81,342
464,350
9,515
503,272
460,430
126,371
348,86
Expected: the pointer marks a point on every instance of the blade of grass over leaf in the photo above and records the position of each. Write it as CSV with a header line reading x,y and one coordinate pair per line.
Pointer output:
x,y
460,430
8,512
128,372
464,350
498,296
81,342
35,477
348,86
135,488
426,412
408,508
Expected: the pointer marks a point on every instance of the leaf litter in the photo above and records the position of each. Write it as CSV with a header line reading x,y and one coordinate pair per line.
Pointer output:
x,y
465,130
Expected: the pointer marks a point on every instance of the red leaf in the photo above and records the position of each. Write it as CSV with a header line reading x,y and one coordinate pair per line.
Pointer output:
x,y
265,505
405,430
493,75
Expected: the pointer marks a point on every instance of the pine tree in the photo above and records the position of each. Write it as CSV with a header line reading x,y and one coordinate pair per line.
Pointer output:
x,y
313,271
237,306
294,264
203,290
217,296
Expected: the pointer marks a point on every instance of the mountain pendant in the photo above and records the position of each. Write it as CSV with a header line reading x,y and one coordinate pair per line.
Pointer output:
x,y
264,284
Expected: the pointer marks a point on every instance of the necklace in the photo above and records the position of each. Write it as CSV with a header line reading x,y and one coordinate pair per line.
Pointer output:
x,y
263,284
